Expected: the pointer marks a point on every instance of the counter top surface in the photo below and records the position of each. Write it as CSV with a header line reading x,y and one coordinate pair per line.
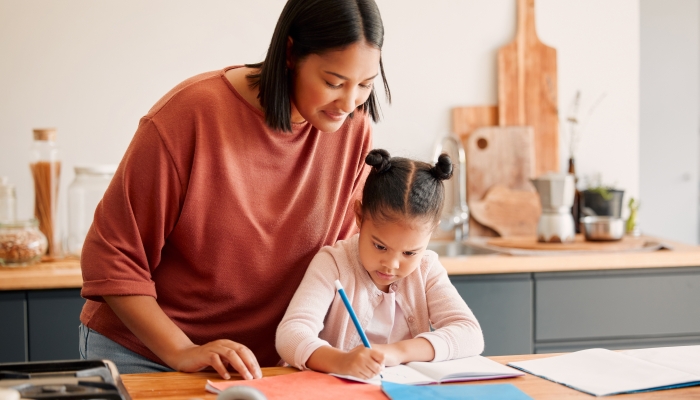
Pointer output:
x,y
66,273
178,385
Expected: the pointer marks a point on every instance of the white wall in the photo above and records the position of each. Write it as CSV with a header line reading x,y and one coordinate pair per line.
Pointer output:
x,y
670,118
92,69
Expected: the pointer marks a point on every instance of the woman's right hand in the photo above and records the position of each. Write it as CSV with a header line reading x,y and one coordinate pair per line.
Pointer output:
x,y
144,317
361,362
218,354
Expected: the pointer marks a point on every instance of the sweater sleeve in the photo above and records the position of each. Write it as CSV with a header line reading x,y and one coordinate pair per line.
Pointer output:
x,y
457,333
131,223
297,334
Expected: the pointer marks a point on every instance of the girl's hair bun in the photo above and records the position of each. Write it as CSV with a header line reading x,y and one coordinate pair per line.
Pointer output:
x,y
379,160
443,168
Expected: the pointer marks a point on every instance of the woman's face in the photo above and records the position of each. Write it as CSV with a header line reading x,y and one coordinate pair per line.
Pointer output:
x,y
329,86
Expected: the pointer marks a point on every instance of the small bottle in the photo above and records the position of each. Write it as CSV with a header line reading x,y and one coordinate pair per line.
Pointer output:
x,y
8,201
46,171
84,193
576,207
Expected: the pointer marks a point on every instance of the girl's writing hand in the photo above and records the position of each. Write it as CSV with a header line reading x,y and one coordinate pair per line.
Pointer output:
x,y
362,362
218,354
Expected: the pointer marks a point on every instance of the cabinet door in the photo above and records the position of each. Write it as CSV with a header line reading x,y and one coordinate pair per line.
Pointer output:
x,y
13,327
503,306
54,316
613,305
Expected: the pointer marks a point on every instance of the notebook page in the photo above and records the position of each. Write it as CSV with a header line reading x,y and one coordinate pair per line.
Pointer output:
x,y
398,374
682,358
467,368
603,372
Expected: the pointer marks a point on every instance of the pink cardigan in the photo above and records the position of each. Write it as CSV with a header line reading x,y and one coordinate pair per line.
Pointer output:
x,y
316,314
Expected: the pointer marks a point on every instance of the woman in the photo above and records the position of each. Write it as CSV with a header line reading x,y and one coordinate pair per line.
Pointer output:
x,y
231,184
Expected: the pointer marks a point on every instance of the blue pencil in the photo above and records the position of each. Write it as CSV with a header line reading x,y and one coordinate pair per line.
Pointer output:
x,y
355,321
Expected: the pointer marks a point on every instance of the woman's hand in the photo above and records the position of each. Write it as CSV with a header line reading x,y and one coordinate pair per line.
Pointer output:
x,y
218,354
144,317
361,362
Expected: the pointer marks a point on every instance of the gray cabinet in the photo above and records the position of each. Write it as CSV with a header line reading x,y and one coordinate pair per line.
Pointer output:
x,y
617,309
13,327
568,311
39,325
502,303
54,316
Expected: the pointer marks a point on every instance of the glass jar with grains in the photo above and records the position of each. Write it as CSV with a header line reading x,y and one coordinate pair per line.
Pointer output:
x,y
21,243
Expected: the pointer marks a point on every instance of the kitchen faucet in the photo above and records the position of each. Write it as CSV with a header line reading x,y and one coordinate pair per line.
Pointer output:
x,y
455,213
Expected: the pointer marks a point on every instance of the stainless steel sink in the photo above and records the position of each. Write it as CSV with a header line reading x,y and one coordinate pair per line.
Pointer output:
x,y
456,249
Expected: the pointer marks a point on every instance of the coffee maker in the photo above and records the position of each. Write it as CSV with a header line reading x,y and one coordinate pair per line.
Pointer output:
x,y
556,224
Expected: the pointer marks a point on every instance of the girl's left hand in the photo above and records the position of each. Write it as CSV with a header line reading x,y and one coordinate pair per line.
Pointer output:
x,y
392,353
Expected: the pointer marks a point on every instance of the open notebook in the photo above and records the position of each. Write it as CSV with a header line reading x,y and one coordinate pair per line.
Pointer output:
x,y
425,373
602,372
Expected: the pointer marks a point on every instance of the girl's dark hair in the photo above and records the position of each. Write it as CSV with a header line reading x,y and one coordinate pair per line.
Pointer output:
x,y
398,187
315,26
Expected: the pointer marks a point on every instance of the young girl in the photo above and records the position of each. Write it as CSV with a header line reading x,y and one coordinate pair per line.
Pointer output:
x,y
399,290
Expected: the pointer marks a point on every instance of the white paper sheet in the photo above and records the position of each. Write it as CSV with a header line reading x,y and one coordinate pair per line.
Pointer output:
x,y
603,372
682,358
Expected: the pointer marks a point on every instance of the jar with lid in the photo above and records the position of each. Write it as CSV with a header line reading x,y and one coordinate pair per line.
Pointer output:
x,y
8,200
46,171
21,243
84,193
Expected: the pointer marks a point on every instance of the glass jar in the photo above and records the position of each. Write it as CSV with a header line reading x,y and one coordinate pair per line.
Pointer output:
x,y
46,171
21,243
84,193
8,200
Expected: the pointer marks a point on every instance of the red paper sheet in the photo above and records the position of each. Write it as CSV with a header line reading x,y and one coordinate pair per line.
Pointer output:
x,y
308,385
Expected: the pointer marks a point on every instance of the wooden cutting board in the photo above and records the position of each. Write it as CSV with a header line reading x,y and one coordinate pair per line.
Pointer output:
x,y
579,244
497,156
508,212
466,120
527,88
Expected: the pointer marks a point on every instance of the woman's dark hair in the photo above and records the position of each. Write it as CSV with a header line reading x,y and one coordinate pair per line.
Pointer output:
x,y
399,187
315,26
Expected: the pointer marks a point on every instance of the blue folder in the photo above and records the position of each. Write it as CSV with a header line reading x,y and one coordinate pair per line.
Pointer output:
x,y
501,391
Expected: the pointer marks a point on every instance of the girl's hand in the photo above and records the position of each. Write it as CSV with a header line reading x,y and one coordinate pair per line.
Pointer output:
x,y
361,362
218,354
393,355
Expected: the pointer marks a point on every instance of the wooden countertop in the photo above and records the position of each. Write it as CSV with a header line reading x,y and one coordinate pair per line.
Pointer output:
x,y
62,274
178,385
66,273
681,255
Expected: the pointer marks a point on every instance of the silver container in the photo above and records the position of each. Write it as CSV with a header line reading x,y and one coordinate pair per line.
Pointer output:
x,y
603,228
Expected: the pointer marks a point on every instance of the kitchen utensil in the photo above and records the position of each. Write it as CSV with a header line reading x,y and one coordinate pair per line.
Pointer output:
x,y
508,212
46,171
84,193
597,201
556,225
497,156
603,228
579,244
527,88
466,120
21,243
8,200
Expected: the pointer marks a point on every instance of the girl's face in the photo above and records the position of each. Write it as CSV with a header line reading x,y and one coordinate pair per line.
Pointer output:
x,y
390,251
329,86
